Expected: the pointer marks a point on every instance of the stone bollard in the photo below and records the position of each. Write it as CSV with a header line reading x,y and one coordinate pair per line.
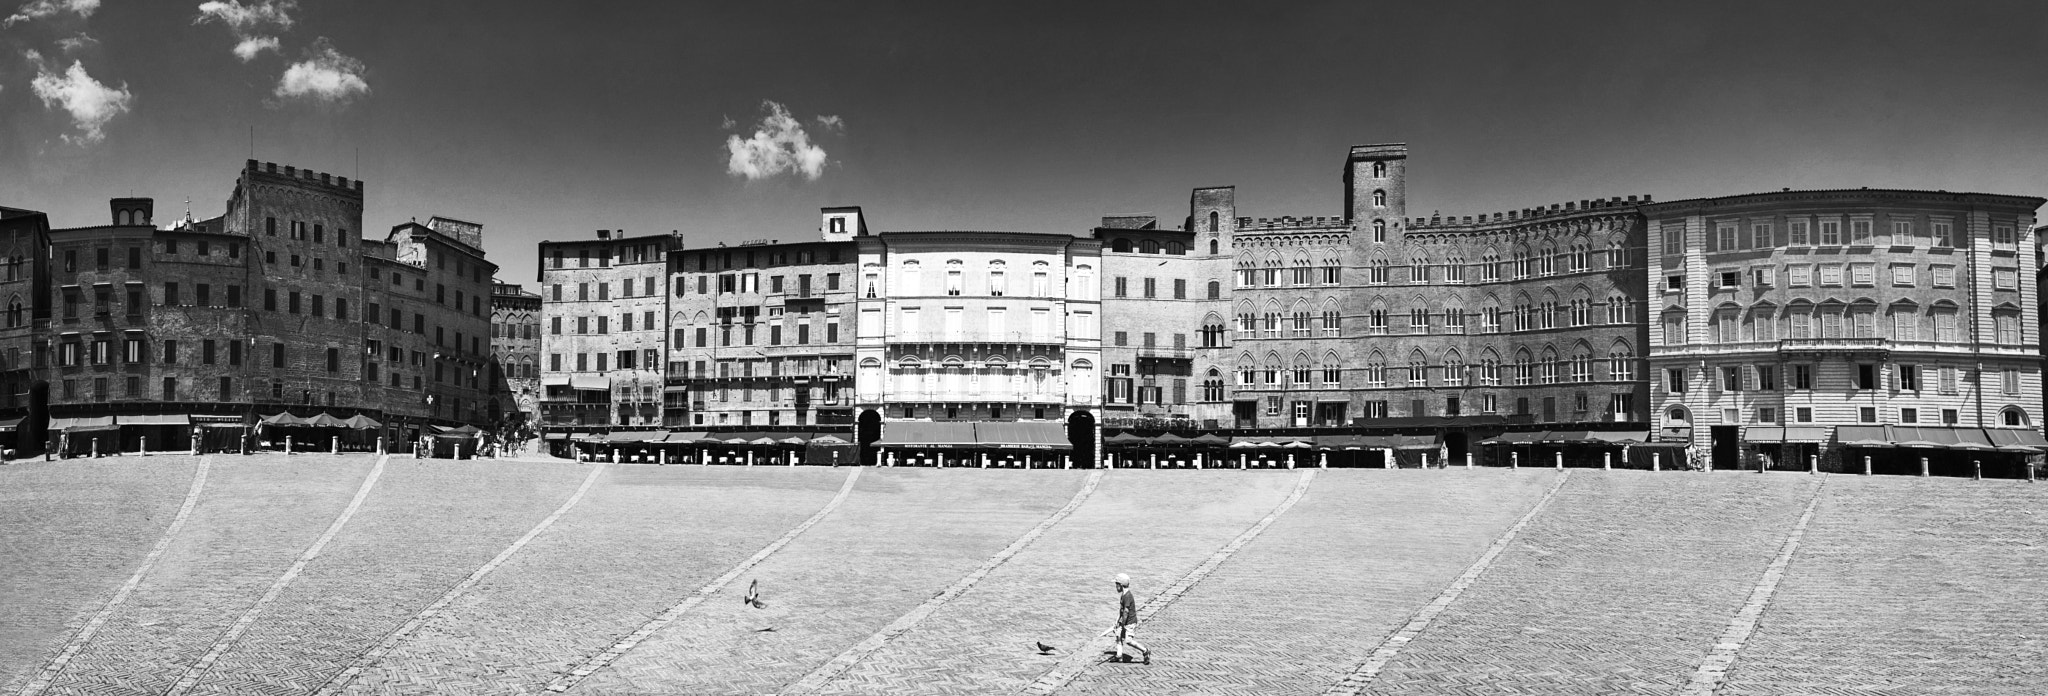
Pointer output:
x,y
1656,461
1866,465
1976,469
1607,461
1813,463
1514,460
1923,466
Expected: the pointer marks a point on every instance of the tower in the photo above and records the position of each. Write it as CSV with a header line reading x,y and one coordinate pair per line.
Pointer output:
x,y
842,224
1212,216
1376,188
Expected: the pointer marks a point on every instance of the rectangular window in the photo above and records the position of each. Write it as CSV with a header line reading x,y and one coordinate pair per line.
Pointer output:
x,y
1830,232
1795,231
1863,274
1674,240
1944,234
1866,376
1731,279
1831,275
1767,378
1760,235
2005,278
1909,377
1675,380
1944,276
1724,237
1909,415
1902,276
1859,231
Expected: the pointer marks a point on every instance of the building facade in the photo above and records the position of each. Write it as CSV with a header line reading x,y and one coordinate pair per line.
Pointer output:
x,y
604,305
515,354
760,334
1816,328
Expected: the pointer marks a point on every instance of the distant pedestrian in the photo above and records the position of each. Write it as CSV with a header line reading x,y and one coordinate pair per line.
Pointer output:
x,y
1127,621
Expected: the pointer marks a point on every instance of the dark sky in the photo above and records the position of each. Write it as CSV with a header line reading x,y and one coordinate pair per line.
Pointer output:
x,y
550,120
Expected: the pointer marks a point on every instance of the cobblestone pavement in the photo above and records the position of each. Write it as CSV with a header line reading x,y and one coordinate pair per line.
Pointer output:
x,y
901,538
1156,526
1620,586
640,540
1293,611
252,521
425,528
71,532
1910,586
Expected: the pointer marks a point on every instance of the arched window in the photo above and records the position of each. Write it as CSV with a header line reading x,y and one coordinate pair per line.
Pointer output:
x,y
1215,290
1379,199
1379,230
1677,415
1148,247
1176,249
1213,246
2013,416
1379,170
1120,244
1213,218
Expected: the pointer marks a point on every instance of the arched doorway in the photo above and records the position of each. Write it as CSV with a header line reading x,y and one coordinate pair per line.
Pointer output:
x,y
866,430
1081,434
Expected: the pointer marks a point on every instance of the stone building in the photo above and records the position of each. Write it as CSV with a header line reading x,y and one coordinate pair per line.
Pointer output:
x,y
278,304
515,353
427,340
1164,305
1823,328
761,333
24,287
969,327
604,303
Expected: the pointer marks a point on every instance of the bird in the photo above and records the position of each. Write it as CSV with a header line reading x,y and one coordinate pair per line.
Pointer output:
x,y
753,598
1044,649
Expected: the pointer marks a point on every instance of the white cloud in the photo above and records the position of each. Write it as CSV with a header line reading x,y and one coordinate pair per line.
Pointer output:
x,y
325,75
75,43
250,23
779,145
243,18
253,46
832,123
90,103
38,9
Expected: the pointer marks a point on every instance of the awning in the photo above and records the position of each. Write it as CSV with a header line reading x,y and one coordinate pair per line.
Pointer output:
x,y
1681,444
1763,434
829,439
554,380
215,418
555,436
1806,433
1621,437
1170,440
1515,438
1913,436
1973,439
79,430
464,430
590,382
1021,435
158,419
2015,440
636,436
1862,436
1342,441
684,437
1251,441
1210,439
87,422
9,424
927,435
793,440
362,422
283,418
1567,437
1124,440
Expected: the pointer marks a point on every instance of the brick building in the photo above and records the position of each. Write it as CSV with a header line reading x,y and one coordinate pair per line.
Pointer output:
x,y
1818,328
515,353
603,310
761,334
24,287
203,326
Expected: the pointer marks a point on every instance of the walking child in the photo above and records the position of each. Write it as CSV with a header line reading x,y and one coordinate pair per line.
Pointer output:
x,y
1127,621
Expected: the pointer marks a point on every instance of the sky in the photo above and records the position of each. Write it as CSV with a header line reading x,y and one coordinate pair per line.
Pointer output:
x,y
738,121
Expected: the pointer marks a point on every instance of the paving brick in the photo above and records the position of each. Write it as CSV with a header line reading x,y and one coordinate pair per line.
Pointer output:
x,y
1909,586
1295,610
1156,526
641,540
254,519
71,532
1620,586
424,529
903,536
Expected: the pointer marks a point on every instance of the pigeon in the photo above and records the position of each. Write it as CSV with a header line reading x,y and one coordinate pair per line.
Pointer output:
x,y
1044,649
753,598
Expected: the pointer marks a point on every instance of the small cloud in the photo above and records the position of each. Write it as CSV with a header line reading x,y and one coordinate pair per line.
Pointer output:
x,y
38,9
76,43
90,103
729,124
253,46
244,18
779,145
832,123
250,23
325,76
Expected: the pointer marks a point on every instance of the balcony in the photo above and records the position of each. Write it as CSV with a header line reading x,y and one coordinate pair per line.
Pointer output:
x,y
964,396
1166,353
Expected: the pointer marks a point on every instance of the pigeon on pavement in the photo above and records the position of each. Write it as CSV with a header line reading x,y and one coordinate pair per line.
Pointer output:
x,y
753,598
1044,649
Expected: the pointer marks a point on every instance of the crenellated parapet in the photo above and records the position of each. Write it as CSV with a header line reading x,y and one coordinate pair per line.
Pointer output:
x,y
336,184
1555,210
